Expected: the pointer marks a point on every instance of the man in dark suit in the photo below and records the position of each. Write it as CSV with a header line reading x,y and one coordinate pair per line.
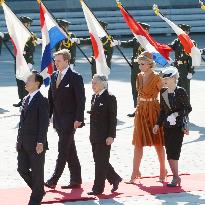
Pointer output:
x,y
67,103
32,138
103,121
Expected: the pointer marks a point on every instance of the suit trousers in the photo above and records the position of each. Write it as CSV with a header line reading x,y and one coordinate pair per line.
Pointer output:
x,y
67,153
31,169
103,169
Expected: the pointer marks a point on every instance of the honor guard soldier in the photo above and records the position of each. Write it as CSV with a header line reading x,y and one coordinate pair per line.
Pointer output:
x,y
29,50
183,61
68,43
107,45
137,50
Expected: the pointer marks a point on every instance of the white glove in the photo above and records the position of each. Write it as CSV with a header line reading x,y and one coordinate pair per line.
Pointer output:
x,y
189,76
1,35
39,41
75,40
116,43
172,118
30,66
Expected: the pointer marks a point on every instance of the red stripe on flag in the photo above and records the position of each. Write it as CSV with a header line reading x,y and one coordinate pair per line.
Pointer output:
x,y
186,42
50,69
95,46
136,28
42,18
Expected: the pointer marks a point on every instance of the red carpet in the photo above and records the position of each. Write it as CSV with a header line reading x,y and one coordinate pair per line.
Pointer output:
x,y
147,185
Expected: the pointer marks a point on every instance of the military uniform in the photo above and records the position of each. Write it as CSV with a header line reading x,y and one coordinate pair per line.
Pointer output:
x,y
107,46
137,50
67,43
183,62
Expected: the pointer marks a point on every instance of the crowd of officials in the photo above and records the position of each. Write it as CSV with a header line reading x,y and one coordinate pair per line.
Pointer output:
x,y
156,123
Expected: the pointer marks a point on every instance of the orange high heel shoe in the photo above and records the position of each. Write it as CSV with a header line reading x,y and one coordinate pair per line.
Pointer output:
x,y
163,177
133,179
175,181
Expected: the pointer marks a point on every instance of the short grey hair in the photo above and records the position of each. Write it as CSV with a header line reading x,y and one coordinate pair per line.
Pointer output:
x,y
102,79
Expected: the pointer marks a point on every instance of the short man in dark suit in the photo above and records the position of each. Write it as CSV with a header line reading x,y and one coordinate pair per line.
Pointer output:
x,y
32,138
103,122
67,104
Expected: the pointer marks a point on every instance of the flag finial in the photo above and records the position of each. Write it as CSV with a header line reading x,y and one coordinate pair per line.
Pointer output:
x,y
156,9
39,1
118,3
1,2
202,5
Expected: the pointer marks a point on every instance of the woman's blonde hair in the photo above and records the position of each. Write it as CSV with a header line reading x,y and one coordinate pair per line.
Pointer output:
x,y
148,57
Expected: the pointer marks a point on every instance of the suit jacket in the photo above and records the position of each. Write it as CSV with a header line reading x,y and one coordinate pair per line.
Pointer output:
x,y
180,104
67,102
103,117
34,123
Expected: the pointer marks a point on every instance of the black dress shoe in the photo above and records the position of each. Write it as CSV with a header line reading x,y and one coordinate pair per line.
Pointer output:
x,y
19,104
71,186
50,184
94,193
131,115
115,185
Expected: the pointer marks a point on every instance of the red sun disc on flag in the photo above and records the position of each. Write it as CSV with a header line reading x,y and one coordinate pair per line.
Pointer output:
x,y
95,46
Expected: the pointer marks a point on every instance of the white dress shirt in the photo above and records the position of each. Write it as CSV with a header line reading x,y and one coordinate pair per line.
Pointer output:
x,y
32,95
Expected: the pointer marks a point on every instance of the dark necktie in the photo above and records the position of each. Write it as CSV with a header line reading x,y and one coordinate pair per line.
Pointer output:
x,y
26,104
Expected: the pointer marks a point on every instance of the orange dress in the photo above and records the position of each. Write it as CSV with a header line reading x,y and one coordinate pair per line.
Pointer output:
x,y
147,112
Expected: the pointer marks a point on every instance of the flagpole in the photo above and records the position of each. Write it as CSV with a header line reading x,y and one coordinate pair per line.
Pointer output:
x,y
39,1
110,38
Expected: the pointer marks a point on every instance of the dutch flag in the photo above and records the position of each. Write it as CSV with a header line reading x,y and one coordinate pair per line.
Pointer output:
x,y
51,35
159,51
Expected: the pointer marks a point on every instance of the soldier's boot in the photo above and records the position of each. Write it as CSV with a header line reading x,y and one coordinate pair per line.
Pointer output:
x,y
19,104
131,114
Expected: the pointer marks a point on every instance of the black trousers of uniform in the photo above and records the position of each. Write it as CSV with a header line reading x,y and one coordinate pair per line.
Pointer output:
x,y
103,169
31,169
185,83
67,153
173,142
21,89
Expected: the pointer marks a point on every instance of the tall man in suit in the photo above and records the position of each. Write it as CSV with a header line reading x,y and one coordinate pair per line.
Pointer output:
x,y
103,122
67,103
32,138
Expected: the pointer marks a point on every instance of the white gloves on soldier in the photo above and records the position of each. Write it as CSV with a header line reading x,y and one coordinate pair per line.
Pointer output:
x,y
189,76
116,43
1,35
39,41
75,40
30,66
172,118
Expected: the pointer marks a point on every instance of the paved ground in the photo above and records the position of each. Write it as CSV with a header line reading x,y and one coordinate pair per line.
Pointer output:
x,y
193,152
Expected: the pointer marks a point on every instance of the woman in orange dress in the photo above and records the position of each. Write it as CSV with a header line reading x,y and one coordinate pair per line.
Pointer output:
x,y
148,85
